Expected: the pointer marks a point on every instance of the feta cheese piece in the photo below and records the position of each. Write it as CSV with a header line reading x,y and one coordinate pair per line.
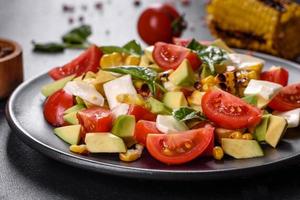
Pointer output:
x,y
121,109
292,117
243,61
264,90
112,89
85,91
168,124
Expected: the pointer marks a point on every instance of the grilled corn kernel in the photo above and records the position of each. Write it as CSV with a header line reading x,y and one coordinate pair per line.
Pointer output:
x,y
218,153
80,149
132,154
132,60
111,60
247,136
236,135
131,99
208,83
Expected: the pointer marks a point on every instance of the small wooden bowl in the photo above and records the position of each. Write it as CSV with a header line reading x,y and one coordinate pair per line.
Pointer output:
x,y
11,68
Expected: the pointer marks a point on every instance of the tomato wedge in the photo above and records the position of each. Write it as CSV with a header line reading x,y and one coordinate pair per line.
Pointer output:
x,y
55,106
178,148
95,120
87,61
229,111
287,99
142,129
141,113
276,75
181,41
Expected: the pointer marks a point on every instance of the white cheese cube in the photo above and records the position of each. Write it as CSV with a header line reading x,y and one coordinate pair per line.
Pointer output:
x,y
246,61
168,124
292,117
121,109
85,91
112,89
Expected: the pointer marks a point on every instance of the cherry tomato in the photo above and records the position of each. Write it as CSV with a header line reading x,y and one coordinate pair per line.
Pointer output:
x,y
287,99
160,23
141,113
95,120
276,75
87,61
194,60
55,105
142,129
178,148
181,41
229,111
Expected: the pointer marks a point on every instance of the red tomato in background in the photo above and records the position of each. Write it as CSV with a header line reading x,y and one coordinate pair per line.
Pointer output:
x,y
142,129
87,61
229,111
160,23
141,113
276,75
95,120
178,148
55,105
287,99
170,56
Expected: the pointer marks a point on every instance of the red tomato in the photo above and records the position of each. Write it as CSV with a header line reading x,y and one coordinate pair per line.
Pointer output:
x,y
55,105
87,61
287,99
178,148
141,113
276,75
229,111
181,41
156,23
142,129
95,120
194,60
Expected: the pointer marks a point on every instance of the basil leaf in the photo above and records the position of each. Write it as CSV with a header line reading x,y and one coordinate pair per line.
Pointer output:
x,y
50,47
186,113
133,47
77,35
210,55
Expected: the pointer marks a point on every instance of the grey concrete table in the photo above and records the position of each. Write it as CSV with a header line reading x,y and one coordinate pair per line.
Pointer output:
x,y
27,174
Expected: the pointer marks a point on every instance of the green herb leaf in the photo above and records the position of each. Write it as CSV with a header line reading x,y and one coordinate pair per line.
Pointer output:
x,y
77,35
131,47
186,113
252,99
50,47
210,55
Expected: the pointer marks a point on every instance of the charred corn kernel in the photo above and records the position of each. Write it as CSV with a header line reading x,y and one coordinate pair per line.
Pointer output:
x,y
218,153
132,60
208,83
111,60
243,77
236,135
247,136
132,154
80,149
131,99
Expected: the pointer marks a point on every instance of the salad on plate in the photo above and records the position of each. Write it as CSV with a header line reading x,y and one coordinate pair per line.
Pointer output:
x,y
178,101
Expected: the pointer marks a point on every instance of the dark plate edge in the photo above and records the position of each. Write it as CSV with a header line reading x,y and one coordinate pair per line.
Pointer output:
x,y
136,172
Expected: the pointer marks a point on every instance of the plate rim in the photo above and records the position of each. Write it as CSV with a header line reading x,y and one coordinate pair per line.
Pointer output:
x,y
135,172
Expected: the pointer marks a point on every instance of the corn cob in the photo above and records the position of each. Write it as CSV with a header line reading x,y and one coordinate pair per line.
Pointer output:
x,y
270,26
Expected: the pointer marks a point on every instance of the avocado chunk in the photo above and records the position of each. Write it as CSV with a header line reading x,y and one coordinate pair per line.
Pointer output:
x,y
50,88
104,143
69,134
71,118
157,107
174,100
251,99
276,130
183,75
239,148
124,127
79,100
261,130
77,107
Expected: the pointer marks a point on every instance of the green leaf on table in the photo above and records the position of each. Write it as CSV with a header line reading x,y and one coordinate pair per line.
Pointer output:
x,y
77,35
186,113
50,47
